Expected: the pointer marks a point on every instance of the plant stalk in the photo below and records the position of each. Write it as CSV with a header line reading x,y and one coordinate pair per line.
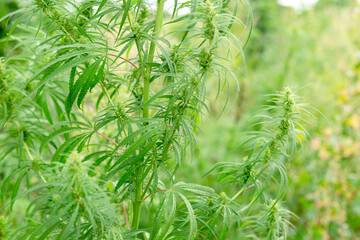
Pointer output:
x,y
138,180
157,28
137,202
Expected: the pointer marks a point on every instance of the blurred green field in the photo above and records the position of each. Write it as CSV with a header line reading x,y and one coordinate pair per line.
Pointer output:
x,y
316,52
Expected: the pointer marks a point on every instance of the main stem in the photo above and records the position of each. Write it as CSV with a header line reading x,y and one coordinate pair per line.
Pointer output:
x,y
138,181
157,28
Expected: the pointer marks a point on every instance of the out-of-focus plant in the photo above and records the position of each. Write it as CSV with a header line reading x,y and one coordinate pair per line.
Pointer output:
x,y
267,151
324,178
98,109
5,7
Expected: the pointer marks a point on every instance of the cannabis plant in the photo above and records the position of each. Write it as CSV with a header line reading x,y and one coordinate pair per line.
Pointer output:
x,y
100,103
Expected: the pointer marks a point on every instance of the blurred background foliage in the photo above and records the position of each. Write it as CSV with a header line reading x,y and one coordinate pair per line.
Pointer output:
x,y
317,52
6,6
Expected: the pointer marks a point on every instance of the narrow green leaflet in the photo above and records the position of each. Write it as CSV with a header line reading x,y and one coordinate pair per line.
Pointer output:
x,y
192,218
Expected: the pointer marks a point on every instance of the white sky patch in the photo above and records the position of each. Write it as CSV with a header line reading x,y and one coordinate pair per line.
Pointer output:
x,y
298,4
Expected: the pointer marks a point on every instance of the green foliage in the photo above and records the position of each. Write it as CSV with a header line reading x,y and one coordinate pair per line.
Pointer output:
x,y
299,49
101,101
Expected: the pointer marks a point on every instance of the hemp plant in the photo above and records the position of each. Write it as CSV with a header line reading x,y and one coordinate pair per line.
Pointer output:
x,y
100,101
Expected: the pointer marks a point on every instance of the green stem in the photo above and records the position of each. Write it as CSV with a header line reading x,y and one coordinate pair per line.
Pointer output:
x,y
148,185
157,28
107,94
138,201
138,180
237,194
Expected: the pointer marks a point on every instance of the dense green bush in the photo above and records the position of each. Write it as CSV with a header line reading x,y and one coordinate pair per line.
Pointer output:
x,y
101,104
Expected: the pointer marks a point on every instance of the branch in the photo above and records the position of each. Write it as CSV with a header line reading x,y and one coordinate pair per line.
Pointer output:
x,y
113,55
110,140
162,190
126,217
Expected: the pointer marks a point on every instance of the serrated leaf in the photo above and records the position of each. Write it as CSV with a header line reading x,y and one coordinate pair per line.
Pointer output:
x,y
74,91
195,188
74,62
70,224
124,15
98,76
102,4
44,105
192,218
158,219
170,212
72,77
57,133
6,182
88,82
74,140
16,188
